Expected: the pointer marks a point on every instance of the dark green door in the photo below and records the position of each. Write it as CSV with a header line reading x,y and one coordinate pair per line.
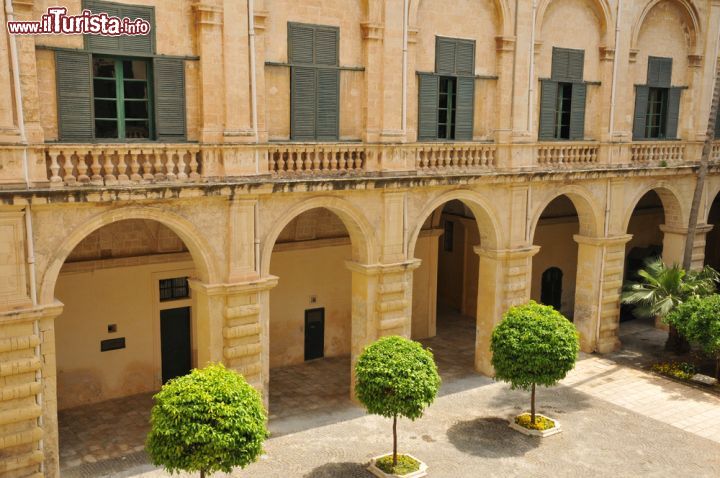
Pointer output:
x,y
175,342
551,288
314,333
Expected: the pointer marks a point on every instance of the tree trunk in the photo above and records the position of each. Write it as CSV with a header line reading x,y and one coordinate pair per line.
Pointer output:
x,y
394,440
717,368
676,342
532,405
701,174
202,473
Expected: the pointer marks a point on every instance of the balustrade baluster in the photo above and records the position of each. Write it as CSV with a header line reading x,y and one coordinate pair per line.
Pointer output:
x,y
158,166
96,178
147,166
134,166
170,165
82,168
55,179
122,167
67,168
182,165
108,168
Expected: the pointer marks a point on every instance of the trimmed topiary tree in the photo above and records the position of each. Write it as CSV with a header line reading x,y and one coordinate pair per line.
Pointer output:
x,y
533,345
207,421
698,320
396,377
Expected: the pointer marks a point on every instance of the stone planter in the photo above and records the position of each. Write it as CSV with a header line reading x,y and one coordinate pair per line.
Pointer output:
x,y
536,433
372,468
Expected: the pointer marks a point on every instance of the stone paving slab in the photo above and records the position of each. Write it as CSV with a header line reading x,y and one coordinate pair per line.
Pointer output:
x,y
465,434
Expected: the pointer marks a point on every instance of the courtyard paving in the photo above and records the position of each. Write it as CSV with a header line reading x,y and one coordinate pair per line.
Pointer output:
x,y
618,420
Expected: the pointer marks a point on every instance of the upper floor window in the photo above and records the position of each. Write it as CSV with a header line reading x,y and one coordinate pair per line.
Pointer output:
x,y
657,104
563,97
117,88
446,97
314,82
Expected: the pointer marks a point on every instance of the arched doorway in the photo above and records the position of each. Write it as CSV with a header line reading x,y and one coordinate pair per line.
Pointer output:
x,y
127,326
712,240
310,315
555,266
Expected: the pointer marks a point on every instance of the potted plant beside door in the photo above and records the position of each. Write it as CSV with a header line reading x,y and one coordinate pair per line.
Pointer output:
x,y
534,345
396,377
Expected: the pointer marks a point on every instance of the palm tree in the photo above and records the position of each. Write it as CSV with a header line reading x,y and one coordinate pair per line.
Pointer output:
x,y
661,288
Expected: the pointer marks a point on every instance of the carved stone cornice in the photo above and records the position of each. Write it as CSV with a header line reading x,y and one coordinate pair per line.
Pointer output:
x,y
695,61
372,30
607,54
207,14
505,44
632,57
260,19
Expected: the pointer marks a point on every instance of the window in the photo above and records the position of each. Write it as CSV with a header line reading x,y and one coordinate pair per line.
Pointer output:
x,y
563,97
314,82
551,288
657,103
446,107
174,289
448,236
121,90
656,113
117,89
446,97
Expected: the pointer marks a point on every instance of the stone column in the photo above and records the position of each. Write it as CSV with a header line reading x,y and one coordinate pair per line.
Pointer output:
x,y
8,130
28,392
674,245
208,17
504,281
238,121
241,250
372,32
233,327
505,47
600,269
28,74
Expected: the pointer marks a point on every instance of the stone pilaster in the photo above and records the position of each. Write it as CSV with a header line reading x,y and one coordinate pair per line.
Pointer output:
x,y
28,392
209,18
241,238
13,269
28,74
505,47
235,42
600,269
8,129
372,55
674,245
504,281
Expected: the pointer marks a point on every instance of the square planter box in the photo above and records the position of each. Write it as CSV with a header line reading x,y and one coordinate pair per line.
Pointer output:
x,y
381,474
536,433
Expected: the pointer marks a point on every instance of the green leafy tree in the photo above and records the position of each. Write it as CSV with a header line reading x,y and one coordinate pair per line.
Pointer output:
x,y
533,345
698,320
662,288
207,421
396,377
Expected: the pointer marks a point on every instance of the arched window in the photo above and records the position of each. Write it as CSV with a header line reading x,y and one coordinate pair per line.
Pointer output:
x,y
551,287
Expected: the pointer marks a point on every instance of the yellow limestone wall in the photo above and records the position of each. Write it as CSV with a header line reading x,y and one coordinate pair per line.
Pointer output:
x,y
128,297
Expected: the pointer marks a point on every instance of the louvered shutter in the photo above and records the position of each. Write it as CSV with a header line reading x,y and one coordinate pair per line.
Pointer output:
x,y
326,46
567,64
300,43
577,111
99,42
673,113
427,107
464,112
576,65
303,102
445,56
138,43
717,124
74,95
642,94
465,57
659,72
548,102
169,75
328,92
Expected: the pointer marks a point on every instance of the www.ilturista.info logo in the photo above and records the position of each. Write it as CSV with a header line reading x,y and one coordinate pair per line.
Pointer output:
x,y
57,22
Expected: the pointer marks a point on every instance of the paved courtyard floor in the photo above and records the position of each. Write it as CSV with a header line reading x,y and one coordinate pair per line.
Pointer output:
x,y
618,420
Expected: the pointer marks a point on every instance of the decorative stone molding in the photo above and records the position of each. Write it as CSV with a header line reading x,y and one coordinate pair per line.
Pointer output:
x,y
372,30
600,241
412,35
632,58
607,54
695,61
207,14
505,44
537,47
260,18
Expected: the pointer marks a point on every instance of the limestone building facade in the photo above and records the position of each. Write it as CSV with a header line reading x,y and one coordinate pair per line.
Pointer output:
x,y
265,182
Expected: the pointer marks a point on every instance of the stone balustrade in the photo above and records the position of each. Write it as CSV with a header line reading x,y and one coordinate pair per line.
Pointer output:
x,y
663,152
128,164
113,164
448,157
565,154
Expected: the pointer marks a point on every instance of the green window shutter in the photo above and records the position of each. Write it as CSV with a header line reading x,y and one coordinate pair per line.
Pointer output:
x,y
328,103
567,64
428,85
577,111
169,75
717,124
300,43
673,113
138,43
445,55
464,112
659,71
642,94
99,42
74,95
326,46
303,101
465,57
548,102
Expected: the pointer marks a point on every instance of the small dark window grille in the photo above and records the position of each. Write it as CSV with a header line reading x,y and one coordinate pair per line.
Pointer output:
x,y
448,236
656,113
174,289
562,111
446,107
